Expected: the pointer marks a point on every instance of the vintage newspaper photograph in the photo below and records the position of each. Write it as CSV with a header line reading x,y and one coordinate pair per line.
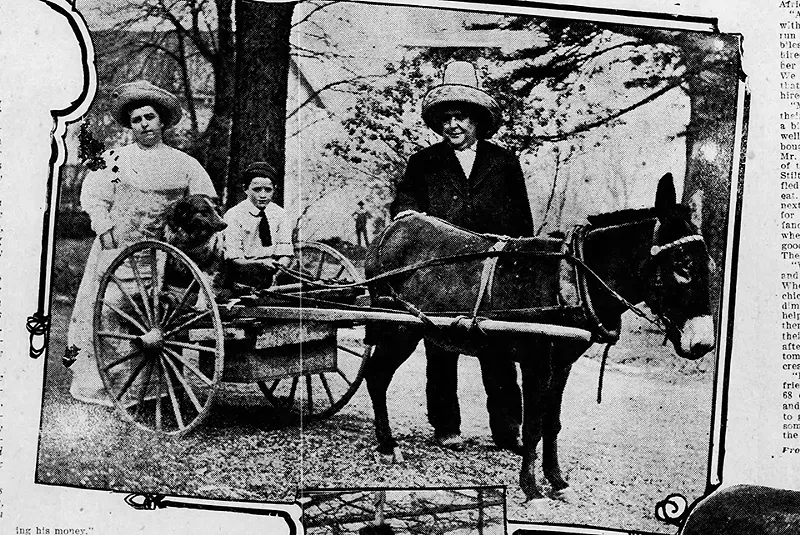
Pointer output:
x,y
379,267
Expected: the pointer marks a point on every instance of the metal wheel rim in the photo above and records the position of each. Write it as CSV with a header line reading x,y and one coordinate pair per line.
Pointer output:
x,y
345,264
166,363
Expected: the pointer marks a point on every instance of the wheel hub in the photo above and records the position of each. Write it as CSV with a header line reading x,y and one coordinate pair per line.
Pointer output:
x,y
152,340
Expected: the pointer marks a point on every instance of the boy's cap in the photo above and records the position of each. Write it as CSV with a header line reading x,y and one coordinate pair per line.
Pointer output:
x,y
261,170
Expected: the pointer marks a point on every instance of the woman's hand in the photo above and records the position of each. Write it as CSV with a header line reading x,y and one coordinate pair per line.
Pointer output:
x,y
107,240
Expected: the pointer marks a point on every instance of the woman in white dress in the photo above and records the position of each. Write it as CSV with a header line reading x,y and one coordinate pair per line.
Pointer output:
x,y
127,202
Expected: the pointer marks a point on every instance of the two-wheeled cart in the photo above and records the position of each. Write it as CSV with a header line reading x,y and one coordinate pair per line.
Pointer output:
x,y
164,343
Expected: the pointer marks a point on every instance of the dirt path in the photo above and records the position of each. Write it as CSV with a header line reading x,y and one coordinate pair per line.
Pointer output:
x,y
646,440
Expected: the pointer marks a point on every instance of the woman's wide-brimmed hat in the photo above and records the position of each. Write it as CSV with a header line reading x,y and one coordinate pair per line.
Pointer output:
x,y
127,96
460,86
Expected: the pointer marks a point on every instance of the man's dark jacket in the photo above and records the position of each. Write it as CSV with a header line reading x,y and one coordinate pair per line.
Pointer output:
x,y
494,198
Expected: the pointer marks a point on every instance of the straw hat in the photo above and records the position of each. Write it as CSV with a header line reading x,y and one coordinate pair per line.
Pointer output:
x,y
460,86
142,93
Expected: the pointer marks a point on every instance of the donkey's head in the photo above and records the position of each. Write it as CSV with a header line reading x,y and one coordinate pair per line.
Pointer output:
x,y
678,273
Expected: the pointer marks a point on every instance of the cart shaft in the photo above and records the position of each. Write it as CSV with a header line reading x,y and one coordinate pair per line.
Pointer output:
x,y
378,316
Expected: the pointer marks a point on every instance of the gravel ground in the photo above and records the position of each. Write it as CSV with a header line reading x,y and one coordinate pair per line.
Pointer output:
x,y
648,439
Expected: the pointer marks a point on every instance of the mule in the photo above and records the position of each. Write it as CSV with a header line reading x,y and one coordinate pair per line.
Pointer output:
x,y
586,280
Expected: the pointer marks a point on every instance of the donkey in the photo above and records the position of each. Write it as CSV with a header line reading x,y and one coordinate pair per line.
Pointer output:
x,y
586,280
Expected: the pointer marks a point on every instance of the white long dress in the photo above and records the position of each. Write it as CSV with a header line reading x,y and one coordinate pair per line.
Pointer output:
x,y
131,195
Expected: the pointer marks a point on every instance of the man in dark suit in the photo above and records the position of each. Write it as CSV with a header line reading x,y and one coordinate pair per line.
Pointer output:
x,y
479,186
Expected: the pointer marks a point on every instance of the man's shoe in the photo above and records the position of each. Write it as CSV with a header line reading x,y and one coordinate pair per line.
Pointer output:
x,y
451,441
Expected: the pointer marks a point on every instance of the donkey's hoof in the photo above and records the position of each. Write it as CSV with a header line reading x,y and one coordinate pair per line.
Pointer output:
x,y
395,457
567,495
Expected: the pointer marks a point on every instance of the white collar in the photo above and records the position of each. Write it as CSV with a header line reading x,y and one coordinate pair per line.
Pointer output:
x,y
471,148
254,210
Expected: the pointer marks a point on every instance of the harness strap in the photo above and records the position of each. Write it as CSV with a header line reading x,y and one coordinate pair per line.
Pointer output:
x,y
606,335
487,275
602,372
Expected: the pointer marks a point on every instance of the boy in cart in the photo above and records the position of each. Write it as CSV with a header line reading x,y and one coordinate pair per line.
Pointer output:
x,y
258,235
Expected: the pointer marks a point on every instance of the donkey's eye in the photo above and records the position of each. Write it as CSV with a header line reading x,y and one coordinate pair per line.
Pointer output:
x,y
683,276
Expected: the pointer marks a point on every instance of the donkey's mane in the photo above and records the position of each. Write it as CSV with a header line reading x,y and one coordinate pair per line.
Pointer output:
x,y
627,215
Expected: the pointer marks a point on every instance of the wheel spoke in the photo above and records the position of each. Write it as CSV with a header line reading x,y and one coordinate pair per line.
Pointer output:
x,y
352,352
310,395
292,391
346,380
327,388
267,392
122,359
126,317
142,289
175,407
131,379
197,405
130,299
339,273
143,390
158,395
181,302
192,368
186,345
121,336
320,266
155,285
273,387
187,323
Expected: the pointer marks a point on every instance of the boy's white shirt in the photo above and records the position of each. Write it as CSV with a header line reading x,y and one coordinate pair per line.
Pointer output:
x,y
242,240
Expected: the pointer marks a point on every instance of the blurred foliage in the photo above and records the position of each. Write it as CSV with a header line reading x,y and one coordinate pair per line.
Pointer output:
x,y
73,224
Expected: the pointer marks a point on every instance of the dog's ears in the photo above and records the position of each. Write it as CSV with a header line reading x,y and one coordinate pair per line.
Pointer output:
x,y
176,214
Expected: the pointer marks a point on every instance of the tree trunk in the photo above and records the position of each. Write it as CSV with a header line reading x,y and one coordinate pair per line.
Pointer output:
x,y
213,147
709,150
262,73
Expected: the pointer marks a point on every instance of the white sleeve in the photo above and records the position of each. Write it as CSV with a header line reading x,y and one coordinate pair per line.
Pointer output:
x,y
234,237
199,181
97,198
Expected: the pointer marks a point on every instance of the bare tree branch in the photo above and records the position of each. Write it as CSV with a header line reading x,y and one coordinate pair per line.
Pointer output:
x,y
318,8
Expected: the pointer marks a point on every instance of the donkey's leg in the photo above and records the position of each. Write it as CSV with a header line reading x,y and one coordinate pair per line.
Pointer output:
x,y
534,384
551,425
389,354
562,356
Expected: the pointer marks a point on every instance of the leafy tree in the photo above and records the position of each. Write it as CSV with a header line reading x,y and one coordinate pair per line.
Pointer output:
x,y
645,64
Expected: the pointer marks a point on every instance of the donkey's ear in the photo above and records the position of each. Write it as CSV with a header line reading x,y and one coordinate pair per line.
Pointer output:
x,y
665,194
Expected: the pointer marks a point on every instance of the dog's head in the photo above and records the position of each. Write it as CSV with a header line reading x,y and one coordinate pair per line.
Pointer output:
x,y
198,217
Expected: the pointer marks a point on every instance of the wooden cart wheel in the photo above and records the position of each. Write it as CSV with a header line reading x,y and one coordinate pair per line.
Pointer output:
x,y
315,396
158,376
324,263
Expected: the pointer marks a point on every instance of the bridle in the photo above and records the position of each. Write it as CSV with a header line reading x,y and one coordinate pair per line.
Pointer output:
x,y
656,285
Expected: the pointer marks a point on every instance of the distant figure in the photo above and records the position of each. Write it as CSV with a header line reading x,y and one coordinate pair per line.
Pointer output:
x,y
361,216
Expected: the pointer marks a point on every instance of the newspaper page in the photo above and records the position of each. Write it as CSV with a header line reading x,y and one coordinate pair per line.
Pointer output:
x,y
399,267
